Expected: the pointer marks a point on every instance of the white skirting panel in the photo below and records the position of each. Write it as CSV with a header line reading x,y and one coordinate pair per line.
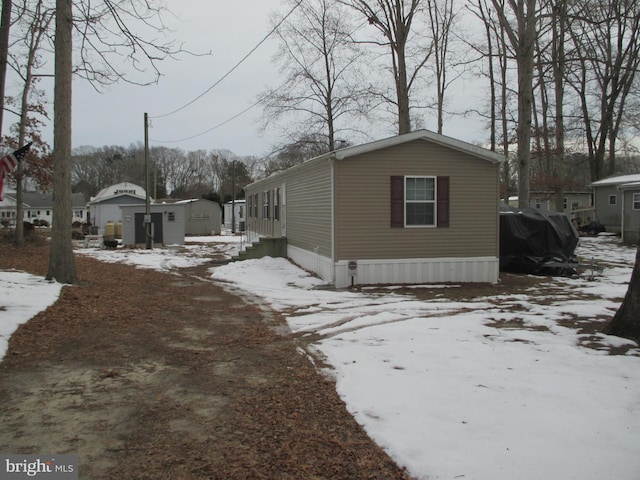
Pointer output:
x,y
418,270
321,266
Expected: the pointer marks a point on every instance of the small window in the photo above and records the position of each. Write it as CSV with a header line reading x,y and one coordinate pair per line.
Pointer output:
x,y
613,199
266,197
420,201
276,204
171,216
636,201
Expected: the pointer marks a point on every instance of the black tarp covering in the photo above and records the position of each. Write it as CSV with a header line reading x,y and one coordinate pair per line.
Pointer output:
x,y
536,241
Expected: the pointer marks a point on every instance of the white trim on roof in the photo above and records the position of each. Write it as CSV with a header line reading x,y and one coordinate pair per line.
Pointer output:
x,y
119,189
617,180
629,186
426,135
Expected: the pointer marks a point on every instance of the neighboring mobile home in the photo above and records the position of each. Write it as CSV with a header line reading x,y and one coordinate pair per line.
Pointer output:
x,y
234,215
38,208
415,208
617,203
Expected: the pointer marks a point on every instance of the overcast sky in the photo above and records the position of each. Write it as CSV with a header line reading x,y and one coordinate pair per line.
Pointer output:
x,y
230,30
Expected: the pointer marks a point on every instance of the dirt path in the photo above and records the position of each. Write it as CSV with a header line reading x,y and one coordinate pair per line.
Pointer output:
x,y
147,375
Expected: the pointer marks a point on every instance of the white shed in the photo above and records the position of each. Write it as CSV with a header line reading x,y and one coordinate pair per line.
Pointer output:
x,y
105,206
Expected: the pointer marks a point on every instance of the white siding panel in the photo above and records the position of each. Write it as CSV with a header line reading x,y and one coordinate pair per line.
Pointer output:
x,y
419,270
314,262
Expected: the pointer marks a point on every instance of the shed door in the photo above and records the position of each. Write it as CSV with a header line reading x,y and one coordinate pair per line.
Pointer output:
x,y
156,220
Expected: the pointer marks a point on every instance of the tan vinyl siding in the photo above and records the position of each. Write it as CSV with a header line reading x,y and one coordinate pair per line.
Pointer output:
x,y
362,186
305,206
309,207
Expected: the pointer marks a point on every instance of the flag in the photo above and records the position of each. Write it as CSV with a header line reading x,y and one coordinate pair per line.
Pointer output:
x,y
10,162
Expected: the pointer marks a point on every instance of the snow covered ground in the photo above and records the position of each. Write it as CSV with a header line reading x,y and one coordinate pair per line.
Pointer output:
x,y
484,387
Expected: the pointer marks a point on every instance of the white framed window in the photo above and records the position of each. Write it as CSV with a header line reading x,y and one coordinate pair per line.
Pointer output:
x,y
420,201
613,199
636,201
266,203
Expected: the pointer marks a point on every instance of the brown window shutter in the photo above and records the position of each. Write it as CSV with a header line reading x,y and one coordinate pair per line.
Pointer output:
x,y
397,202
443,202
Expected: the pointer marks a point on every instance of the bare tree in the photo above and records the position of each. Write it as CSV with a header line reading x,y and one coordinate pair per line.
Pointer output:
x,y
604,62
558,62
497,55
442,15
25,64
324,90
104,37
522,37
394,20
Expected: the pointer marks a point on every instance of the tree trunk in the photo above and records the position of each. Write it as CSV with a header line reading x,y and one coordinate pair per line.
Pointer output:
x,y
626,322
22,131
558,64
4,51
402,92
525,99
61,262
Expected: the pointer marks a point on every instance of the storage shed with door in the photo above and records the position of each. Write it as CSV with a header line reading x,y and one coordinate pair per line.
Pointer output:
x,y
415,208
168,224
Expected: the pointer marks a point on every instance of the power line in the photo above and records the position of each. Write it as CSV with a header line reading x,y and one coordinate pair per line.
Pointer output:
x,y
235,66
212,128
228,120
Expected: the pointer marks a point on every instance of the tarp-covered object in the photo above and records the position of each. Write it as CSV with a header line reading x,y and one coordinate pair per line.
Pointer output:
x,y
536,241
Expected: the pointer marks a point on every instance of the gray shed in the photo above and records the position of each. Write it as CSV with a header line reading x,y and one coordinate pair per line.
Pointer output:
x,y
168,224
202,216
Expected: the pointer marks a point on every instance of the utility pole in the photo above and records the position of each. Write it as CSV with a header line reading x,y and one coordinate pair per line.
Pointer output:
x,y
147,217
233,197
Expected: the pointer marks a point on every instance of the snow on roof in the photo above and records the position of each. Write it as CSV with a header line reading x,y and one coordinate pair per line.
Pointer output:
x,y
617,180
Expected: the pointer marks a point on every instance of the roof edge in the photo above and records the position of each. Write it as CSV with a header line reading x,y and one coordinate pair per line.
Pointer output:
x,y
426,135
